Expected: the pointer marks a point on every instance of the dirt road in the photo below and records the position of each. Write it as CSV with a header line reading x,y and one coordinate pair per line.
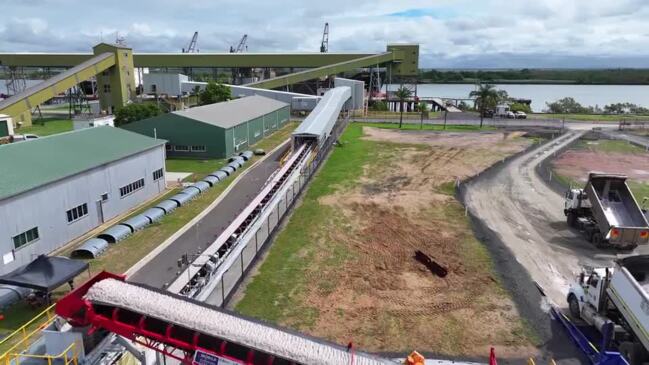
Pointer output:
x,y
528,218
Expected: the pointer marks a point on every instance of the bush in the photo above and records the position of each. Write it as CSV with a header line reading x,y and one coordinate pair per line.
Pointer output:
x,y
134,112
568,106
380,106
214,93
520,107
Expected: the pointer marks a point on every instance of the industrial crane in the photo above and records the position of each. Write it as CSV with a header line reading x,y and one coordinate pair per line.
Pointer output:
x,y
192,45
242,45
324,46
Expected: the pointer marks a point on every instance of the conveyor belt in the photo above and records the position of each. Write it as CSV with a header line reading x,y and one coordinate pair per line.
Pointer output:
x,y
136,311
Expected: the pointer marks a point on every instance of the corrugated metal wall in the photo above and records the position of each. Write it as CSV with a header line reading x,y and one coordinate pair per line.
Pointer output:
x,y
46,206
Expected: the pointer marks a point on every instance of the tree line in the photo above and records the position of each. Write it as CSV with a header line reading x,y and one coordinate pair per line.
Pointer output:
x,y
557,76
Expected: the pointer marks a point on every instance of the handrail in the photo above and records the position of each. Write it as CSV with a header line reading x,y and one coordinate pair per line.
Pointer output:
x,y
49,312
67,359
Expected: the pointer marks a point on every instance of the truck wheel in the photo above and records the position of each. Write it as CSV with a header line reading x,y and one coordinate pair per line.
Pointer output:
x,y
631,352
596,239
573,305
571,219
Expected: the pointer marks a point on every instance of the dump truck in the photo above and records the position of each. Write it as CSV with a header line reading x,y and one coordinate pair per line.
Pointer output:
x,y
606,212
616,295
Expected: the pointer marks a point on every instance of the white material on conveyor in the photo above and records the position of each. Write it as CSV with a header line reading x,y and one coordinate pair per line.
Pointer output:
x,y
219,324
320,122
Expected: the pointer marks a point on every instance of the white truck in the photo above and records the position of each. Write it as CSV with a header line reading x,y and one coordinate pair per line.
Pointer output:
x,y
618,295
606,212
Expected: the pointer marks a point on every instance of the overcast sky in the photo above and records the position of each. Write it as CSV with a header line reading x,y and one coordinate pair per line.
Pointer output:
x,y
452,33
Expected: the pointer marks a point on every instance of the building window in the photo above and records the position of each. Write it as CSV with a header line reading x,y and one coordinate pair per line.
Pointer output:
x,y
26,237
106,88
198,148
157,174
104,197
181,148
134,186
77,213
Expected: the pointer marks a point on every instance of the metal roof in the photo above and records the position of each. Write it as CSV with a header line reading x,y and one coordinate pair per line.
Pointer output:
x,y
231,113
44,160
319,123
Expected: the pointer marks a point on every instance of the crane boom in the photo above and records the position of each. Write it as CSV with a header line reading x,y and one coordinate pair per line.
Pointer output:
x,y
324,45
192,45
241,46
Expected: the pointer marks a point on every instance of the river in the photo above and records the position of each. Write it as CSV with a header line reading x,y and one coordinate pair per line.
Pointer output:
x,y
587,95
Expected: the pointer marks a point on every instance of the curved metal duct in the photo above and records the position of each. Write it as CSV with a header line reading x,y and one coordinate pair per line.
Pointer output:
x,y
167,205
212,180
192,191
90,249
138,222
228,170
115,233
181,198
236,164
221,175
155,213
201,185
246,155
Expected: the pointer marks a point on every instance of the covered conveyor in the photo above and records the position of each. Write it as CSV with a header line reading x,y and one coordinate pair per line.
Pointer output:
x,y
317,126
153,317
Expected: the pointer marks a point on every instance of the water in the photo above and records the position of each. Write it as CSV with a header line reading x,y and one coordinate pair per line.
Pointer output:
x,y
587,95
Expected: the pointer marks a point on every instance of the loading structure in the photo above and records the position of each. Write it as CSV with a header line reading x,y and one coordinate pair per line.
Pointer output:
x,y
181,328
317,126
116,81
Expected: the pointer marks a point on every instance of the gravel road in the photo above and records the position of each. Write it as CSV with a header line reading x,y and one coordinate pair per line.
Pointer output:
x,y
527,216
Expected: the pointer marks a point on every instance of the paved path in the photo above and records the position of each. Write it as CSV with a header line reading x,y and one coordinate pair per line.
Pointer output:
x,y
162,269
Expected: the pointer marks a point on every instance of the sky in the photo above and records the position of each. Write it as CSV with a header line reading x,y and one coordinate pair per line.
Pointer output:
x,y
451,33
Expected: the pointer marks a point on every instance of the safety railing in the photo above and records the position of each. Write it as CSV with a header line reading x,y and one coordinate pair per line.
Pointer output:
x,y
68,356
20,339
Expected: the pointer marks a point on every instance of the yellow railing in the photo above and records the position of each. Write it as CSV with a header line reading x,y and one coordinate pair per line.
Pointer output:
x,y
20,339
69,356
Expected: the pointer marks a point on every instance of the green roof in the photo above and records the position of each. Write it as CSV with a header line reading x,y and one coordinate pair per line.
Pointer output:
x,y
31,164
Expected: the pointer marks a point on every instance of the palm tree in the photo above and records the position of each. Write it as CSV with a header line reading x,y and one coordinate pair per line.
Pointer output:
x,y
485,96
402,94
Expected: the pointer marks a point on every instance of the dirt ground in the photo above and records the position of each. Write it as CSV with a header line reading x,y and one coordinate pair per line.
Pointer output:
x,y
384,300
577,163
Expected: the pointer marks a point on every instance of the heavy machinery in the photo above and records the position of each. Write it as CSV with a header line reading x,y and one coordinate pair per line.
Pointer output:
x,y
606,212
617,295
324,45
191,48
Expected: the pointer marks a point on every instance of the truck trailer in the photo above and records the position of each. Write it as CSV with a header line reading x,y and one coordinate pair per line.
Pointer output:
x,y
619,295
606,212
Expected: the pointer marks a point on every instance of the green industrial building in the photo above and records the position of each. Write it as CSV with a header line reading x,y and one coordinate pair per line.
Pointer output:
x,y
216,130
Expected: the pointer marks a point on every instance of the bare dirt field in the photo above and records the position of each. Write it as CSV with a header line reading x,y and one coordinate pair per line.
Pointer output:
x,y
359,280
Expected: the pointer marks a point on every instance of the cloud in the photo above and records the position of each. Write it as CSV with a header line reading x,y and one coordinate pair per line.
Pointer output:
x,y
451,33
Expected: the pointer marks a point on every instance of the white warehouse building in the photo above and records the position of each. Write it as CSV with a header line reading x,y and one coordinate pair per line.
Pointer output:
x,y
57,188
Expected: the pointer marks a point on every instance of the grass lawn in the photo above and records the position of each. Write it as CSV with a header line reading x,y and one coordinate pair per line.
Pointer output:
x,y
47,126
589,117
608,146
428,127
316,249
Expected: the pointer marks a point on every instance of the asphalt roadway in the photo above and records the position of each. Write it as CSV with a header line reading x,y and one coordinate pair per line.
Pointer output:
x,y
163,268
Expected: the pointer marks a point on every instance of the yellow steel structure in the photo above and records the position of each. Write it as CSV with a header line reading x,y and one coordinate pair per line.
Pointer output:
x,y
20,105
14,345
